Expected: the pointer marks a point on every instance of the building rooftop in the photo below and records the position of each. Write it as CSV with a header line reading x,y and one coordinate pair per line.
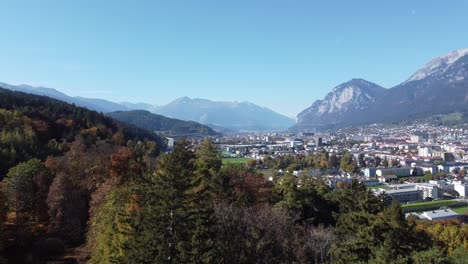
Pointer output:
x,y
440,213
400,191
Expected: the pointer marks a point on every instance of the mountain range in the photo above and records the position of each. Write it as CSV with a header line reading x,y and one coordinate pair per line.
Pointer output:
x,y
440,87
221,116
236,116
99,105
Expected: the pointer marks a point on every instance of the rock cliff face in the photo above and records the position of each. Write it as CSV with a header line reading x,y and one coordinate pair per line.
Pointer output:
x,y
440,87
357,94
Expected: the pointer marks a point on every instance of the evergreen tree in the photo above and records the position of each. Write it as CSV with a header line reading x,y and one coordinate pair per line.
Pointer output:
x,y
362,163
202,194
26,188
166,205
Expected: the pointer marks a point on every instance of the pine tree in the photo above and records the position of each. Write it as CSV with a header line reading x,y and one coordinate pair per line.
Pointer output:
x,y
166,203
203,193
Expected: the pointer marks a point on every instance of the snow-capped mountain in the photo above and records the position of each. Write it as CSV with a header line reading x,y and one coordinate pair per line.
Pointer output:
x,y
238,116
440,87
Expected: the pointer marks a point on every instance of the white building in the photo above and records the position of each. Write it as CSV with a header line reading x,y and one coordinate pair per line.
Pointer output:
x,y
425,152
443,214
429,191
442,184
461,188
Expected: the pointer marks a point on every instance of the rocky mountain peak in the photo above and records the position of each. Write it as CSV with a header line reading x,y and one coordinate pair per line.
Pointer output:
x,y
438,65
354,94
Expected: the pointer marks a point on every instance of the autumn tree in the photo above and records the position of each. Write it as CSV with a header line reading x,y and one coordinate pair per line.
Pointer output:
x,y
385,162
347,164
242,186
3,213
112,236
258,234
67,210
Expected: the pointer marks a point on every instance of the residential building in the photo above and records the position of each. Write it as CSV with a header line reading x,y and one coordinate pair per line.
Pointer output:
x,y
369,172
429,191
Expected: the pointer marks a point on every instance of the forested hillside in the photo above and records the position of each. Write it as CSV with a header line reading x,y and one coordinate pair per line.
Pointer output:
x,y
159,123
35,126
55,159
82,188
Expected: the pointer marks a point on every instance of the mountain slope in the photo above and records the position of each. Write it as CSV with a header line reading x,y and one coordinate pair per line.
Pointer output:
x,y
169,126
442,91
33,126
243,116
350,96
440,87
99,105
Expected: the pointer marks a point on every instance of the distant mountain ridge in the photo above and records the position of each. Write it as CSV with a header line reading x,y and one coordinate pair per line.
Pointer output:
x,y
99,105
440,87
237,116
140,106
159,123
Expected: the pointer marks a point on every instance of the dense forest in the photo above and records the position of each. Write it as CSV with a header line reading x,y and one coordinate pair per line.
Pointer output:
x,y
79,187
53,158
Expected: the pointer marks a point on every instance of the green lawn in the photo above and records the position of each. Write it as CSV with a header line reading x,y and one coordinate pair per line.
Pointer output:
x,y
440,202
381,186
235,160
461,210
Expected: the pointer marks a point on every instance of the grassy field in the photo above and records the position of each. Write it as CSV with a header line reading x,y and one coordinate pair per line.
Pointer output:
x,y
434,203
461,210
377,187
235,160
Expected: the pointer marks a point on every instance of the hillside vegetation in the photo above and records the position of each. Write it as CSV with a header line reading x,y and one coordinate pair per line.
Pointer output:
x,y
159,123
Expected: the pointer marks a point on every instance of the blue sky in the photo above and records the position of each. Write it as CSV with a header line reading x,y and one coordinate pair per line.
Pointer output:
x,y
283,54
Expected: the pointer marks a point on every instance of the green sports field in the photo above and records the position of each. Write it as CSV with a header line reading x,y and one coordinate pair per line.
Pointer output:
x,y
434,203
461,210
235,160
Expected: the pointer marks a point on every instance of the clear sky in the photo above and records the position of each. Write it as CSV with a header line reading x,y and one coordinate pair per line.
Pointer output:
x,y
283,54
